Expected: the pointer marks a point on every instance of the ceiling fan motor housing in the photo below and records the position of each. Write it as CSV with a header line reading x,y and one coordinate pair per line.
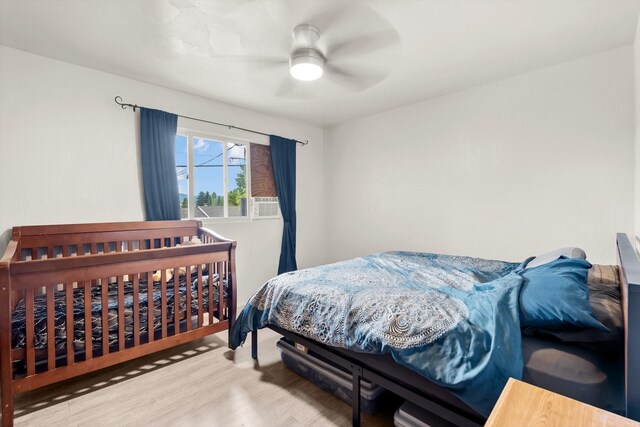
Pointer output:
x,y
305,35
309,55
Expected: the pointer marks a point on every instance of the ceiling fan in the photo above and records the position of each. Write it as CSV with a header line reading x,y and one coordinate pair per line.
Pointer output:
x,y
341,45
348,45
354,63
306,62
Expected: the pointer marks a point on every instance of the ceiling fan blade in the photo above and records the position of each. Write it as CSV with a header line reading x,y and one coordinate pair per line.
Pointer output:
x,y
293,89
286,88
326,15
356,80
344,79
363,44
265,61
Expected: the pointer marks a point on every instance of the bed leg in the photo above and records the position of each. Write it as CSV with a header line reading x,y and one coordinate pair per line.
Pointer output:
x,y
254,344
6,387
355,395
7,405
6,365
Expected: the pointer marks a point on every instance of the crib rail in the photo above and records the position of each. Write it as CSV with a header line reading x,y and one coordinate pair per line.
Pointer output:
x,y
25,274
99,287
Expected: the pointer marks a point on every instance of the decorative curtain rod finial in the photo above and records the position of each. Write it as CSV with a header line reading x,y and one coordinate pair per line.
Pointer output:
x,y
123,105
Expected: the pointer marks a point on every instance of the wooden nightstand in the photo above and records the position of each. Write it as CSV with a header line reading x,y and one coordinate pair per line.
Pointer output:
x,y
522,404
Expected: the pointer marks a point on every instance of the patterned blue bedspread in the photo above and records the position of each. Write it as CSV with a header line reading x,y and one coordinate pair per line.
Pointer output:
x,y
452,319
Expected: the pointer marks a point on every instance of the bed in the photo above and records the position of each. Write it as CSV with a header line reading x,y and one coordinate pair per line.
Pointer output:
x,y
457,388
130,288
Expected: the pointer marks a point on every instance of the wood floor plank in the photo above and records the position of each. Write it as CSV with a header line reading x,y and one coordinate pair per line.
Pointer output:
x,y
216,387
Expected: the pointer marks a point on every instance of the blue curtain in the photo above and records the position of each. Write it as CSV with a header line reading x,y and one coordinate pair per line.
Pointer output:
x,y
158,156
283,158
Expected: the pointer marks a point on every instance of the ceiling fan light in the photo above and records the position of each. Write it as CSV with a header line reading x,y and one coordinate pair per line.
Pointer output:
x,y
306,64
306,71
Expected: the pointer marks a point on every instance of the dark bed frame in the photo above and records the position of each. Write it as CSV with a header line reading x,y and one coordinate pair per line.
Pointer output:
x,y
629,267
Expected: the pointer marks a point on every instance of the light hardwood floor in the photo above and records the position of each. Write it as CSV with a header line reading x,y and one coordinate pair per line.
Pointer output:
x,y
201,383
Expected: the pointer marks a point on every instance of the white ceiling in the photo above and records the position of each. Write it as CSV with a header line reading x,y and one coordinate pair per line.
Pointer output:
x,y
381,54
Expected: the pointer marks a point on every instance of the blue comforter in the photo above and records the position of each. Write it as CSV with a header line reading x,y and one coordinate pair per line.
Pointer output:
x,y
452,319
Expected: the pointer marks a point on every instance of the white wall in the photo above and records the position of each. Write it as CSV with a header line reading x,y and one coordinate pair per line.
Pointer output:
x,y
69,154
636,57
506,170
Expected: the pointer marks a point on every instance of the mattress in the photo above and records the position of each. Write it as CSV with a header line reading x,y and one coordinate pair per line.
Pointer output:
x,y
434,313
568,369
18,324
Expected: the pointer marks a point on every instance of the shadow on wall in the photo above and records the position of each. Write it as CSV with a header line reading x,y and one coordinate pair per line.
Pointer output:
x,y
4,241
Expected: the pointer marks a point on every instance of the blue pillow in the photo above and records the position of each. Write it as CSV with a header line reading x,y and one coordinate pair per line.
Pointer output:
x,y
556,294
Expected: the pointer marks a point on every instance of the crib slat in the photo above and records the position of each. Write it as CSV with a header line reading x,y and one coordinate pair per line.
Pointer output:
x,y
30,316
88,321
176,301
136,311
211,310
150,307
104,308
119,246
106,247
130,246
89,351
199,284
221,275
163,299
187,314
65,251
51,338
89,332
120,313
49,252
34,254
69,322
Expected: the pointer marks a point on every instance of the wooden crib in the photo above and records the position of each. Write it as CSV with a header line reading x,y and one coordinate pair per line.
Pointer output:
x,y
93,263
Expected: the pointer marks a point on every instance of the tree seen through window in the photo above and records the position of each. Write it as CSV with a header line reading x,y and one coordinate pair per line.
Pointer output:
x,y
211,161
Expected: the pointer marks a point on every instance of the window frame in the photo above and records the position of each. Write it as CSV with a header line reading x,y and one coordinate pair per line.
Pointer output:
x,y
190,134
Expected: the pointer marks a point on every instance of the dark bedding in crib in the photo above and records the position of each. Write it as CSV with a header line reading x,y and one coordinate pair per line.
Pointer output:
x,y
18,324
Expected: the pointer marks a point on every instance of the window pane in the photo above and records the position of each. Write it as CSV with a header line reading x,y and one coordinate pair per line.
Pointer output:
x,y
182,172
208,178
237,179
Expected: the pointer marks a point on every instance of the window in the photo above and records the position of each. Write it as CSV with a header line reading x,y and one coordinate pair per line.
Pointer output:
x,y
212,176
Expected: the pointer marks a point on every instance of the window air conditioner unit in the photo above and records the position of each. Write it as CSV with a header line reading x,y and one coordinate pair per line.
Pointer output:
x,y
265,207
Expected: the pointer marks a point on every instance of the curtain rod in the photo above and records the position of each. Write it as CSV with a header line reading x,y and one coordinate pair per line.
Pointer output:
x,y
124,106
